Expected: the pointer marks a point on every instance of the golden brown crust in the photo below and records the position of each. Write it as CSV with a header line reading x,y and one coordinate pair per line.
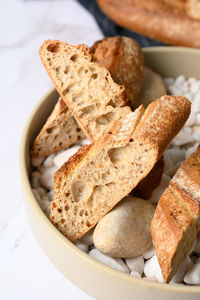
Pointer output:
x,y
146,187
160,20
168,129
176,220
123,58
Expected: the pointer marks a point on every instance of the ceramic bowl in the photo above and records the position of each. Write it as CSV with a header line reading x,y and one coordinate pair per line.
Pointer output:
x,y
95,278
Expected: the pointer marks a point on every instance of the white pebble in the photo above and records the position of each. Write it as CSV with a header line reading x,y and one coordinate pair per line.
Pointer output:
x,y
194,87
191,150
198,118
176,155
171,172
50,195
36,162
173,90
63,156
191,80
179,80
168,163
196,248
196,103
45,205
196,133
48,162
152,269
36,195
47,178
149,253
41,192
84,142
193,275
153,278
191,120
184,137
82,246
35,179
87,238
184,266
157,193
135,264
109,261
135,274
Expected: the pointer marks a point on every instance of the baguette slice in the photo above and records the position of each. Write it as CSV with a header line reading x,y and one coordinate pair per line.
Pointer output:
x,y
59,132
123,58
98,176
176,221
86,88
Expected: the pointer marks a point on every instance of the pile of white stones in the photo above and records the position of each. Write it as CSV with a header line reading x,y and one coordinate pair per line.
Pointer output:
x,y
146,264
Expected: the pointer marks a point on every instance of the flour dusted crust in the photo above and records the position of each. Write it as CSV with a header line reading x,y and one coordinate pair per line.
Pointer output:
x,y
123,58
59,132
100,175
88,90
167,21
176,221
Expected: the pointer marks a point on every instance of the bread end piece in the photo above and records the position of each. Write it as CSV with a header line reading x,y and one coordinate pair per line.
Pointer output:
x,y
176,221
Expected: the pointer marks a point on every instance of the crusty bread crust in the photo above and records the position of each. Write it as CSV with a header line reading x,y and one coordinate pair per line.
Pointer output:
x,y
99,176
176,221
87,89
123,58
161,20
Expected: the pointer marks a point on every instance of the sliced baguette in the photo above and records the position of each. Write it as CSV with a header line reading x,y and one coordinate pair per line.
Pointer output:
x,y
96,178
87,89
176,221
123,58
59,132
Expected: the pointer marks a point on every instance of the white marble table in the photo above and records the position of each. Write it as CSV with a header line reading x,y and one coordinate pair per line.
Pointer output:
x,y
25,272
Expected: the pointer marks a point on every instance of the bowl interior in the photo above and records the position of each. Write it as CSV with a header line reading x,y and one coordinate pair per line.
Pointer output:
x,y
168,62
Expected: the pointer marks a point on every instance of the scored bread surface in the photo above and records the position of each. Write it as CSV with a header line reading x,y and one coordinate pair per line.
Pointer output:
x,y
59,132
176,221
100,175
87,89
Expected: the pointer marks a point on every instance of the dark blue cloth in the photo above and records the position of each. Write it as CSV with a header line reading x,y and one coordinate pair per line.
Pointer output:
x,y
109,28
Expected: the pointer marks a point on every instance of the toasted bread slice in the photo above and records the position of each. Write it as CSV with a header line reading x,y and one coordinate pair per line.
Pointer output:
x,y
123,58
96,178
176,221
87,89
60,131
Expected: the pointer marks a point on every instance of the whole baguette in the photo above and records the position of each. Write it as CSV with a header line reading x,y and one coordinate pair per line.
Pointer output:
x,y
160,20
176,221
97,177
86,88
59,132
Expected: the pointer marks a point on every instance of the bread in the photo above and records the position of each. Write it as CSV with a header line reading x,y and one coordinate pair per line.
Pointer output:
x,y
176,221
123,58
86,88
98,176
59,132
192,8
166,21
146,186
153,88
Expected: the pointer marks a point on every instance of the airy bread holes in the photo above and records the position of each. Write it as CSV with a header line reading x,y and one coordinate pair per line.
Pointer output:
x,y
106,119
81,191
74,57
53,48
94,76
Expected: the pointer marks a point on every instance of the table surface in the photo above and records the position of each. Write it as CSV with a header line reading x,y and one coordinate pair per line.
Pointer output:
x,y
25,271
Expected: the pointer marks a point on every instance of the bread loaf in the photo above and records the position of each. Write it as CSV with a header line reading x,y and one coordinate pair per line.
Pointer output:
x,y
176,221
59,132
86,88
166,21
98,176
123,58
